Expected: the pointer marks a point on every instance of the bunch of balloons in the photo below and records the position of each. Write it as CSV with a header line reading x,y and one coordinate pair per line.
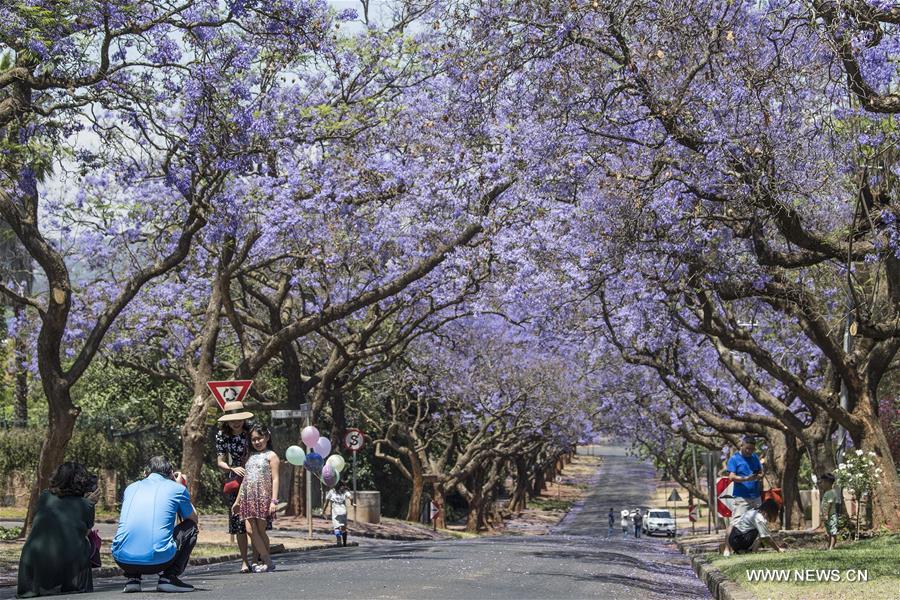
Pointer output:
x,y
318,447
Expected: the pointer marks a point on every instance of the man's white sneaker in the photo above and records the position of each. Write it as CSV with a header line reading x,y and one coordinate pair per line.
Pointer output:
x,y
133,586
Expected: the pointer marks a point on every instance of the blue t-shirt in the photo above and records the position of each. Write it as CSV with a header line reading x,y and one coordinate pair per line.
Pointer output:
x,y
147,521
739,465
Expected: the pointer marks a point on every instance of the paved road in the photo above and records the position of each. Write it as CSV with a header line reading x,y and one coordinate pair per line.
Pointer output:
x,y
576,561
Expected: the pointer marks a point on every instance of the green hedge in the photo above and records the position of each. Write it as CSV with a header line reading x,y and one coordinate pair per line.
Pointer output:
x,y
20,450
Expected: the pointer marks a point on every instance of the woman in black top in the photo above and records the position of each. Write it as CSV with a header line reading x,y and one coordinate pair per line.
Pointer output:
x,y
56,558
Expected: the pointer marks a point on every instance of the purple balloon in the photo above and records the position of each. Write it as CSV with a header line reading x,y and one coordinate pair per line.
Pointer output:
x,y
323,446
330,476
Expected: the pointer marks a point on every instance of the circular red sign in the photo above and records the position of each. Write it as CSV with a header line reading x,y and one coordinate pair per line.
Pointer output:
x,y
354,440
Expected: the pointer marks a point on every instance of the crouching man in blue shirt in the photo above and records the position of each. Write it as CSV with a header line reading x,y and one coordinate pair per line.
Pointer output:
x,y
148,542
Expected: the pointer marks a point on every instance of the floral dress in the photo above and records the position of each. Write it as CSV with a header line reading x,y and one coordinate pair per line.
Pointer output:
x,y
256,490
235,447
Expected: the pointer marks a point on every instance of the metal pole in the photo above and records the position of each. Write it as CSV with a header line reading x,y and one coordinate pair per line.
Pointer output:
x,y
675,512
354,486
711,493
309,520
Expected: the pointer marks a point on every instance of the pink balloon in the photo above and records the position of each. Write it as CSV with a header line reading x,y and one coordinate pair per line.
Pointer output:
x,y
323,446
310,435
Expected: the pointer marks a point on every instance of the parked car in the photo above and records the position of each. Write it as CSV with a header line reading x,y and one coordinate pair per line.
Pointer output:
x,y
658,520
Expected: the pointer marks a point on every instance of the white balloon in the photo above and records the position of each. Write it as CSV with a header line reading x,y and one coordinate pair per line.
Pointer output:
x,y
323,447
337,462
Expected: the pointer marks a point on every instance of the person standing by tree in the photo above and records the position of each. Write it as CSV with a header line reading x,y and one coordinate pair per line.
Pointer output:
x,y
829,505
232,450
638,522
745,470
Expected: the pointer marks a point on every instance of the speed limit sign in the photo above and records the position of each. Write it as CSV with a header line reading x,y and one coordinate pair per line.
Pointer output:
x,y
354,440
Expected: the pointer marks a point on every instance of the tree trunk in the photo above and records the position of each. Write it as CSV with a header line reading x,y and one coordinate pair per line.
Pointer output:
x,y
439,497
298,493
821,456
539,482
519,498
474,497
418,491
290,370
193,441
790,488
62,415
886,498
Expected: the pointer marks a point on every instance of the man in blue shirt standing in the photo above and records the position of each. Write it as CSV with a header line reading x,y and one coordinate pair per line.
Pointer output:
x,y
745,471
148,542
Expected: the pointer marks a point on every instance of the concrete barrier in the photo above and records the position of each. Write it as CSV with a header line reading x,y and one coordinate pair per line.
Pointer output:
x,y
368,507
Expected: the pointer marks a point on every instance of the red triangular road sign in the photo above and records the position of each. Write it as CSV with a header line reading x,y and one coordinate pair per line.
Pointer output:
x,y
725,496
229,391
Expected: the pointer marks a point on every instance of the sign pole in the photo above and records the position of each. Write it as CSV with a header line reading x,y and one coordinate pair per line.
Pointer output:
x,y
711,493
354,487
354,440
309,520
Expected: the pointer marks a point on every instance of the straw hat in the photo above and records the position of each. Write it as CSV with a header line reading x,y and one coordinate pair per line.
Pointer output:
x,y
234,411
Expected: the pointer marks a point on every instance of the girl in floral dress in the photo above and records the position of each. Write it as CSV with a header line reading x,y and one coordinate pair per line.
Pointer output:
x,y
256,501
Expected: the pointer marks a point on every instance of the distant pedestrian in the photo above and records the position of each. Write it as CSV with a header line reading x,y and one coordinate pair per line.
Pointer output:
x,y
829,509
56,557
611,517
147,541
745,470
626,521
338,499
256,501
638,520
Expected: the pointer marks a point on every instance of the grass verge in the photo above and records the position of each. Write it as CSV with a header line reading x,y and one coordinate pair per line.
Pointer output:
x,y
835,574
12,513
9,554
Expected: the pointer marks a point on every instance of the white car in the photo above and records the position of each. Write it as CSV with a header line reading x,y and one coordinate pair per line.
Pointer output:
x,y
658,520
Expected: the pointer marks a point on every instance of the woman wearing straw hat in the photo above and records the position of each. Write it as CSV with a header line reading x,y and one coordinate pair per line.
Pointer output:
x,y
232,449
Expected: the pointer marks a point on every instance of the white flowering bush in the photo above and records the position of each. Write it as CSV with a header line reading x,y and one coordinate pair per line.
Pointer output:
x,y
859,476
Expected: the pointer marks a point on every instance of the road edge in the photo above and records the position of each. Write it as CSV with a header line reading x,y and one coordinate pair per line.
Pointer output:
x,y
107,572
720,586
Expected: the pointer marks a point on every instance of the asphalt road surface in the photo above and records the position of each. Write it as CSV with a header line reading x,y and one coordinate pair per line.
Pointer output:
x,y
577,561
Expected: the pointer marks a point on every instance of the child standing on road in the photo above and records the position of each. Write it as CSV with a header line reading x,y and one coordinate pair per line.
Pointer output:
x,y
612,522
829,509
338,499
256,499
